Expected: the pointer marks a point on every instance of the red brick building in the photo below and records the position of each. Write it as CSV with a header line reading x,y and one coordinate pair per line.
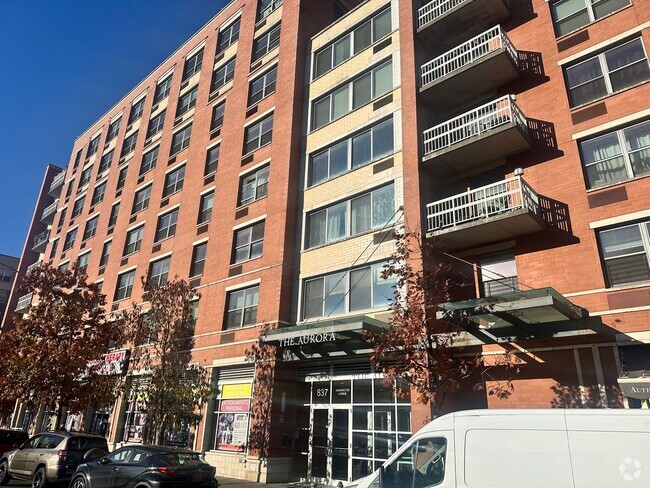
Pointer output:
x,y
514,134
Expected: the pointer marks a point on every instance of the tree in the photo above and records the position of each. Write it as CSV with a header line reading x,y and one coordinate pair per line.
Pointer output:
x,y
175,388
419,352
44,359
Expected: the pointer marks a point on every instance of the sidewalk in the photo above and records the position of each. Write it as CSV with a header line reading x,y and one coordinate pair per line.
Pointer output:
x,y
232,483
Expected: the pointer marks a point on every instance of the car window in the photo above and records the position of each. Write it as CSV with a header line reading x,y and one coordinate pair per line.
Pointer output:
x,y
140,457
120,456
43,442
32,442
180,459
421,465
83,444
53,441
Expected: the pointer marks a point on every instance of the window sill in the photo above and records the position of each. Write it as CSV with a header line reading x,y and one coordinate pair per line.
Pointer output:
x,y
585,27
628,286
171,155
163,240
349,238
239,263
250,153
130,254
244,205
370,102
253,105
354,313
164,197
199,224
617,183
605,97
380,160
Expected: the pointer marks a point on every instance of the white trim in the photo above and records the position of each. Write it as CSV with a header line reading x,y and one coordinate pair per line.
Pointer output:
x,y
67,261
213,145
142,186
183,126
126,270
85,251
133,227
161,256
230,20
153,146
195,49
598,366
88,164
620,219
71,229
107,240
612,124
581,382
253,169
139,97
262,70
175,167
115,117
165,75
258,118
620,310
96,134
170,209
249,222
603,45
245,284
208,190
633,338
119,200
96,214
100,280
630,286
200,241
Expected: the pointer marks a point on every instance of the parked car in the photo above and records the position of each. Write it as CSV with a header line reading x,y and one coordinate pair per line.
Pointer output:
x,y
10,439
50,457
146,466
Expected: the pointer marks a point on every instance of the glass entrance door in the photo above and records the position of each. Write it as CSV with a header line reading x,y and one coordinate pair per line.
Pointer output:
x,y
330,446
341,444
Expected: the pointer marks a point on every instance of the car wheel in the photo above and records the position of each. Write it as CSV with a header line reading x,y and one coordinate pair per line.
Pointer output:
x,y
40,479
4,473
78,482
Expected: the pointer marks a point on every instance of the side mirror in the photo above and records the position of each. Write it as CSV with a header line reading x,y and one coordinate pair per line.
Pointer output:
x,y
103,460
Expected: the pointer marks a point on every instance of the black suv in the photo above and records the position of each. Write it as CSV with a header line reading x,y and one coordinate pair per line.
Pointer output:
x,y
50,457
10,438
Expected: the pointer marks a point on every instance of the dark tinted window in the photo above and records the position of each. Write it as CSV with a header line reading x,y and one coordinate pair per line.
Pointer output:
x,y
86,443
180,459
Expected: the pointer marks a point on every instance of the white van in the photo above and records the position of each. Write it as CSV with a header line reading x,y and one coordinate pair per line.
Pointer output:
x,y
523,449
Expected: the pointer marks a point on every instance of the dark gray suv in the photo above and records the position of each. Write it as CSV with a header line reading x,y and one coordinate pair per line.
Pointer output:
x,y
50,457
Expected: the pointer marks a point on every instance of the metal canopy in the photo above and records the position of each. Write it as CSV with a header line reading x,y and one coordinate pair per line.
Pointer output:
x,y
531,312
328,338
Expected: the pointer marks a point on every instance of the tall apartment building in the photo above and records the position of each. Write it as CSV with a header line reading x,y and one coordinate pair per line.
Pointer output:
x,y
513,134
8,270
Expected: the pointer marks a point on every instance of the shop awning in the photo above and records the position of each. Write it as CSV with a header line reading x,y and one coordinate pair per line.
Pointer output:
x,y
636,384
540,312
326,338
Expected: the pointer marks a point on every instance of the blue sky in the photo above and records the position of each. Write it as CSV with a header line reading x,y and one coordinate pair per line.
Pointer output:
x,y
63,64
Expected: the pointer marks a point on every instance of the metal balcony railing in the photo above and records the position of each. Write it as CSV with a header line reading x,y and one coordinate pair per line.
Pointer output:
x,y
32,267
49,210
466,54
435,9
41,239
24,302
57,182
484,202
475,122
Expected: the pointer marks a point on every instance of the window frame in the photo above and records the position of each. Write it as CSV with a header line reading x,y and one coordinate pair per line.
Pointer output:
x,y
106,253
205,214
93,146
178,176
196,264
217,122
78,210
99,192
166,228
264,11
223,74
90,229
228,35
106,161
163,88
144,204
136,245
146,166
121,178
209,162
128,145
588,8
259,139
113,129
183,107
70,238
265,91
160,278
137,108
254,290
266,43
193,64
256,175
156,124
86,175
127,287
644,230
114,215
250,243
185,135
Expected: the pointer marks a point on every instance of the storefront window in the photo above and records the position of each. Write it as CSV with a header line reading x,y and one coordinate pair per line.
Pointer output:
x,y
232,417
135,422
99,422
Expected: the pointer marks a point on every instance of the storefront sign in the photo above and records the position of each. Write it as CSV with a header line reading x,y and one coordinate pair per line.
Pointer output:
x,y
111,364
239,390
241,405
638,388
307,339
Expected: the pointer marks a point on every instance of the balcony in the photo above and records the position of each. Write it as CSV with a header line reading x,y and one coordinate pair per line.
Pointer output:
x,y
477,66
57,184
34,266
40,241
24,302
492,213
448,22
49,213
488,133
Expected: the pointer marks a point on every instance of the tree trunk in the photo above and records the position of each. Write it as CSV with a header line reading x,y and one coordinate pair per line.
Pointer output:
x,y
59,416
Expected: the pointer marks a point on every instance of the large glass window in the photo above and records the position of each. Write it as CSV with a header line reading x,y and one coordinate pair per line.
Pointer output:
x,y
205,207
149,160
129,144
158,272
174,181
85,176
338,293
98,194
218,112
162,89
617,156
254,186
198,259
78,207
352,43
353,95
124,285
366,212
121,178
193,65
181,140
141,200
231,417
106,252
115,211
266,43
423,464
212,160
136,111
69,239
91,228
187,102
222,75
113,129
156,124
133,241
242,307
571,15
105,162
364,148
626,253
258,134
263,86
608,72
248,242
93,146
228,36
166,225
266,7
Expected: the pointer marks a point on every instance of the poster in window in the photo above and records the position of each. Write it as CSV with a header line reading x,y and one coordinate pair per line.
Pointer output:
x,y
232,431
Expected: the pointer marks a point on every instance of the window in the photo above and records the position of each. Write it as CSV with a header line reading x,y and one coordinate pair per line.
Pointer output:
x,y
626,253
162,89
136,110
212,160
361,214
233,397
258,134
617,156
193,65
77,160
242,307
93,146
105,162
55,244
571,15
129,144
174,181
228,36
68,192
82,261
158,271
249,243
263,86
166,225
64,267
254,186
124,285
78,207
85,176
149,160
106,252
198,259
363,148
353,95
217,116
115,210
222,75
187,102
181,140
156,124
608,72
69,239
337,293
121,178
133,241
62,216
266,43
422,464
141,200
266,7
205,209
91,228
113,129
498,275
98,194
352,43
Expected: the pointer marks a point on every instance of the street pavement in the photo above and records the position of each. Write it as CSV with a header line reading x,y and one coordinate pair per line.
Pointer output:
x,y
223,482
